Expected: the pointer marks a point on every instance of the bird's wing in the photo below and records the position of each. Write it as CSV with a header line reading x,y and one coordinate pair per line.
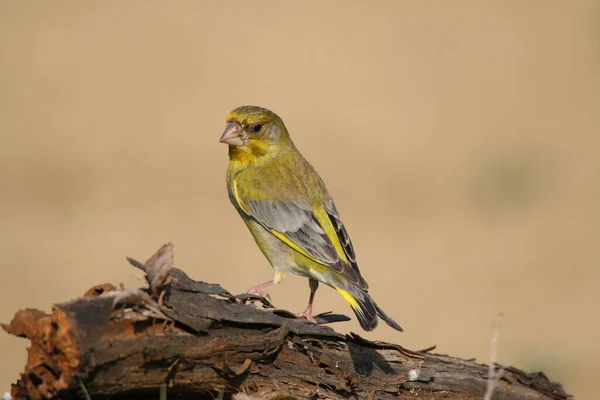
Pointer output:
x,y
317,232
341,233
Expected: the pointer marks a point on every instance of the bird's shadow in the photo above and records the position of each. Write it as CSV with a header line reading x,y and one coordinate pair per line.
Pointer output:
x,y
364,358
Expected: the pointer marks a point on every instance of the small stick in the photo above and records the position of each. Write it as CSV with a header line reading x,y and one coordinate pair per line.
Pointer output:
x,y
493,374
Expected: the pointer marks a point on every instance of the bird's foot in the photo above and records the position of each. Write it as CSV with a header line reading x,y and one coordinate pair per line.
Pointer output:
x,y
308,315
260,293
255,294
258,290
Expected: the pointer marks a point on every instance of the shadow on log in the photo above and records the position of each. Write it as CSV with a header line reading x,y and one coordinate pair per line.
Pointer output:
x,y
193,340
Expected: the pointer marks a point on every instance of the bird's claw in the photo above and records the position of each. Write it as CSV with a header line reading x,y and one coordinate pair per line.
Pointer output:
x,y
251,298
308,317
260,293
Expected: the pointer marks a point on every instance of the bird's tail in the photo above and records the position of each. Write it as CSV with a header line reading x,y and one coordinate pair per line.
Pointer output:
x,y
367,310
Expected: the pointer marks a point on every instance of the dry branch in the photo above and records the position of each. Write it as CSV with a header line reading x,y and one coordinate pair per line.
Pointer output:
x,y
200,340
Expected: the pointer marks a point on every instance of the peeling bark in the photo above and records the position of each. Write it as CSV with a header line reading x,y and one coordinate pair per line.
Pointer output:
x,y
198,340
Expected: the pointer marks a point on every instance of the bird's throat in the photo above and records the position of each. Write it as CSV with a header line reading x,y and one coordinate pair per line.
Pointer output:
x,y
241,157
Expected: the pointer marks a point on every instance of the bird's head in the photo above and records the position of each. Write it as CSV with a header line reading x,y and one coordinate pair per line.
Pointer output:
x,y
254,131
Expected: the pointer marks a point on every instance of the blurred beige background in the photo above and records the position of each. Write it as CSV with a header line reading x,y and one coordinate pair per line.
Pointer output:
x,y
460,141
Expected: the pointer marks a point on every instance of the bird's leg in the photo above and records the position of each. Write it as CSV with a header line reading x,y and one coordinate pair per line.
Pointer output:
x,y
258,289
313,284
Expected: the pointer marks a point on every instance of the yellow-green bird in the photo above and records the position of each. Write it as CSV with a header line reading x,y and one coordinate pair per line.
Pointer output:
x,y
290,214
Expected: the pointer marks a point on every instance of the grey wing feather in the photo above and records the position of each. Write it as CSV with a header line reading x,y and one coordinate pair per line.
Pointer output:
x,y
301,226
298,224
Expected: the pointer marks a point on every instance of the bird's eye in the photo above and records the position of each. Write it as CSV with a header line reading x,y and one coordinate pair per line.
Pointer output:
x,y
255,128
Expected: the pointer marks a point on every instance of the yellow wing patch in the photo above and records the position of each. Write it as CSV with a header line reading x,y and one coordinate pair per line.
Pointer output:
x,y
350,299
321,214
237,196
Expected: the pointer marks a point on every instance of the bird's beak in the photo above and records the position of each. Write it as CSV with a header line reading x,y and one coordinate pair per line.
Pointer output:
x,y
232,135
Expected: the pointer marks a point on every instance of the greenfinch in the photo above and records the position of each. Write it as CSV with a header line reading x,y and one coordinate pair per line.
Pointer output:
x,y
290,214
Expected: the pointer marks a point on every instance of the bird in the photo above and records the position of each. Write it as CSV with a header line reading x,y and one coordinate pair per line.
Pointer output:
x,y
289,212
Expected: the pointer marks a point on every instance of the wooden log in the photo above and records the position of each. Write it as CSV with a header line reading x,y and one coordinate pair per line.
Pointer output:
x,y
195,340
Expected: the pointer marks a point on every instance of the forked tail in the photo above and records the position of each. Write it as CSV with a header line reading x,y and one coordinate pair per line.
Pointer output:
x,y
367,310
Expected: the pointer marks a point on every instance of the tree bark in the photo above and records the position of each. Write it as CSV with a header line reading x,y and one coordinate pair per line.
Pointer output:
x,y
196,340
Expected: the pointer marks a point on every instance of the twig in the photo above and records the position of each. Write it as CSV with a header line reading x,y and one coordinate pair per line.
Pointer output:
x,y
86,395
427,349
493,374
